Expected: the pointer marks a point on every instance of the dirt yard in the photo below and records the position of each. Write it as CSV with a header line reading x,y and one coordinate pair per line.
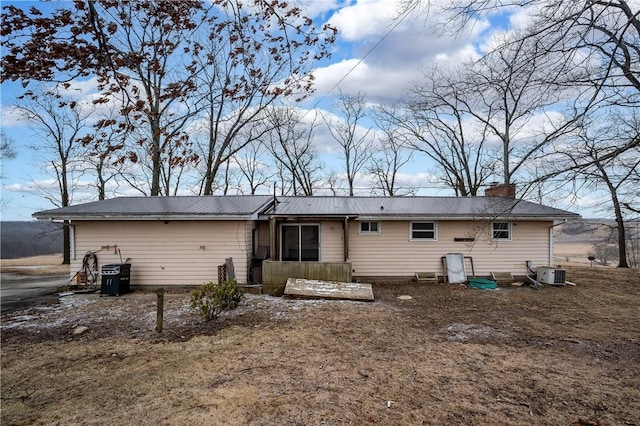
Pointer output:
x,y
35,265
449,355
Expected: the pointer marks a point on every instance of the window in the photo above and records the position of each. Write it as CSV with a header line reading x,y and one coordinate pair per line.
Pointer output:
x,y
501,231
369,227
300,243
423,231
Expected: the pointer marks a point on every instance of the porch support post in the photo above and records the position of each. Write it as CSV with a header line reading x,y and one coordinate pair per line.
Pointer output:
x,y
346,238
272,238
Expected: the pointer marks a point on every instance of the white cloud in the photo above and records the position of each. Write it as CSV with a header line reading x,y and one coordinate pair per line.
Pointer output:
x,y
80,89
11,118
382,56
454,58
372,81
521,18
31,187
364,19
315,8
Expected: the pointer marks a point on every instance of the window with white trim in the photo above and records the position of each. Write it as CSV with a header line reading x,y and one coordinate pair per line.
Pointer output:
x,y
369,227
423,231
501,230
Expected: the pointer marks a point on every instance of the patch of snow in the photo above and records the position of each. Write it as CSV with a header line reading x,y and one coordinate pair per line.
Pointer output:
x,y
140,310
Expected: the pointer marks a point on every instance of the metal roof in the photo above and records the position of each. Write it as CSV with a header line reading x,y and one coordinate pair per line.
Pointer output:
x,y
194,207
255,206
415,207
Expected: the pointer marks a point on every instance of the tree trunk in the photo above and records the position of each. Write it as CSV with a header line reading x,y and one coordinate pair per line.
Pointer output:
x,y
66,237
156,166
101,182
622,240
622,246
66,243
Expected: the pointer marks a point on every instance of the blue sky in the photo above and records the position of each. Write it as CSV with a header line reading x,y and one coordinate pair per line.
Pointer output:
x,y
375,54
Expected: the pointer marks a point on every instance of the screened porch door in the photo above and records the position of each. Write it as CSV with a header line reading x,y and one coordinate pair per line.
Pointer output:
x,y
300,242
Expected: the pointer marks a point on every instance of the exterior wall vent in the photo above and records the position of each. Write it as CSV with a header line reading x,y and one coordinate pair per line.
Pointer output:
x,y
551,276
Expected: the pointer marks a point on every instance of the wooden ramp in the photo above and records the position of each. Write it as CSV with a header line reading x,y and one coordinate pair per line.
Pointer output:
x,y
328,289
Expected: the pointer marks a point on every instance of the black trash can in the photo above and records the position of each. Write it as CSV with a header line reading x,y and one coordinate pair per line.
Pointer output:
x,y
116,279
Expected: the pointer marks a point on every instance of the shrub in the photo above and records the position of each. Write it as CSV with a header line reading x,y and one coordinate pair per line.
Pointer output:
x,y
212,299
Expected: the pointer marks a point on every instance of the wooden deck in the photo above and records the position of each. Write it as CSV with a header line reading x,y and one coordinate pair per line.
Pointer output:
x,y
328,289
277,272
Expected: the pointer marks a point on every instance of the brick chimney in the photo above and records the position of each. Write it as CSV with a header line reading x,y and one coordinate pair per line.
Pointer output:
x,y
507,190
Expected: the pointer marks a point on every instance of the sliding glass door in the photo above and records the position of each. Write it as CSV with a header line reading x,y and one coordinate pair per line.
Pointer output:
x,y
300,242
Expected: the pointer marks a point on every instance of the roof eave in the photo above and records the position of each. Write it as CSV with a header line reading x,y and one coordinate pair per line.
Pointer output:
x,y
189,217
364,217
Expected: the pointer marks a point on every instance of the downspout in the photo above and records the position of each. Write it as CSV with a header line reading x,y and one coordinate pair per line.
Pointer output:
x,y
551,241
72,241
346,238
273,228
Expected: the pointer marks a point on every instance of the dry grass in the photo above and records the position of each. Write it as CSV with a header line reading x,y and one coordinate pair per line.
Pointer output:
x,y
36,265
574,252
450,355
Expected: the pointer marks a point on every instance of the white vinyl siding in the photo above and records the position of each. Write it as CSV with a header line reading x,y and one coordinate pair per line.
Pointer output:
x,y
331,242
396,255
175,253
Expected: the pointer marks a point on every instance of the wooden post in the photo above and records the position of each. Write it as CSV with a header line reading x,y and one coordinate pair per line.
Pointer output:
x,y
160,310
272,238
231,271
222,273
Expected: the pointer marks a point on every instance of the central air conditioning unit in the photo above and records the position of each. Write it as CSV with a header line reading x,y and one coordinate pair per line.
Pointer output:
x,y
551,276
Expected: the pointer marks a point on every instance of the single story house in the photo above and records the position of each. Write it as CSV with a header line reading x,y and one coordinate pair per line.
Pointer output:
x,y
183,240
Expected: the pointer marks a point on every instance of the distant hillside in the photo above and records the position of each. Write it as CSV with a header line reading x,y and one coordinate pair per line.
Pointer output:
x,y
23,239
584,230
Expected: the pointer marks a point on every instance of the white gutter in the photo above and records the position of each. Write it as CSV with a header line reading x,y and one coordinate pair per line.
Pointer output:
x,y
511,218
145,218
72,241
551,241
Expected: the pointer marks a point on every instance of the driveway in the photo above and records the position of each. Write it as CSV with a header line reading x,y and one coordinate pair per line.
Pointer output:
x,y
21,291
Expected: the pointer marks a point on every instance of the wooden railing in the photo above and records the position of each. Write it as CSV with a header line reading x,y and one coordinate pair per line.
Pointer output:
x,y
276,273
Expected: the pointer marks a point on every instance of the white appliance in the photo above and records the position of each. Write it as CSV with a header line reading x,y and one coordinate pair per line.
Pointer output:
x,y
552,276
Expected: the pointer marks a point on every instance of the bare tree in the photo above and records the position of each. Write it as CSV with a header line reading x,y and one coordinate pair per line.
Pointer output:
x,y
7,150
290,145
590,162
505,91
601,37
59,123
101,156
149,57
588,48
332,181
633,237
253,56
437,123
136,49
604,251
386,163
251,162
351,136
